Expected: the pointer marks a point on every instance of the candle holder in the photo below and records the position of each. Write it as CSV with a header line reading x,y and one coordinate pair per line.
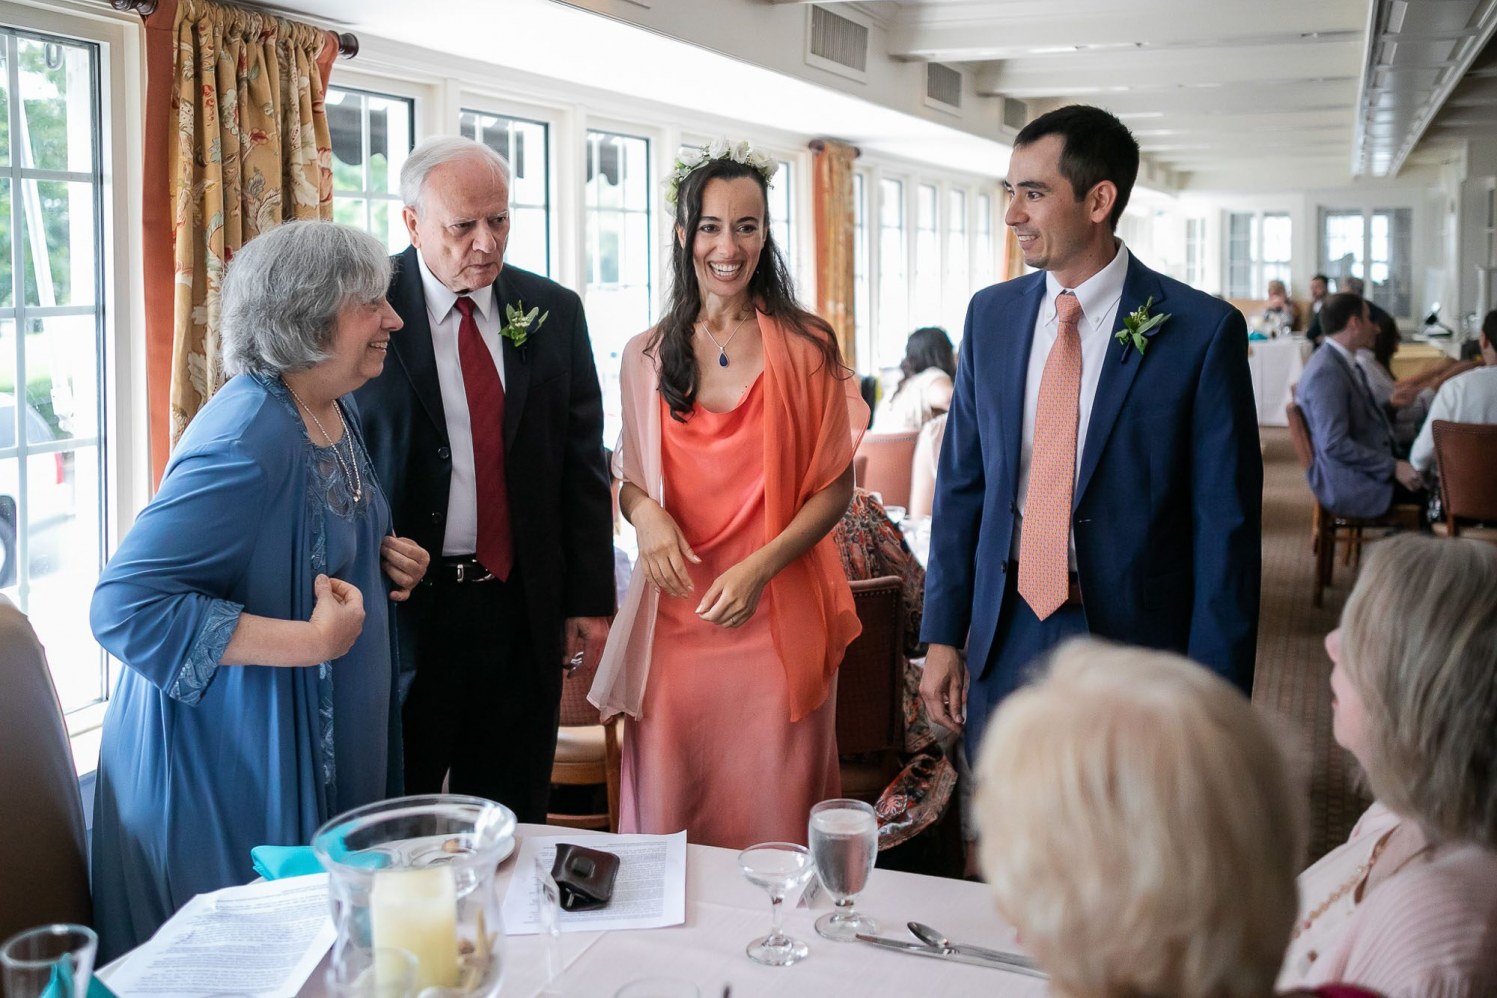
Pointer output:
x,y
417,873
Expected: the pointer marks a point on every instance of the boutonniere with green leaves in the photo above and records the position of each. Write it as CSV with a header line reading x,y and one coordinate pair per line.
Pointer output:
x,y
1138,326
521,323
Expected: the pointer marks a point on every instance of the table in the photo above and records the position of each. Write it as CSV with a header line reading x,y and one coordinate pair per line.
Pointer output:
x,y
1275,366
724,911
1413,358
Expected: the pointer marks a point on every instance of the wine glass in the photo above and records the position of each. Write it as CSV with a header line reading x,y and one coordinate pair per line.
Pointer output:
x,y
844,845
51,960
778,867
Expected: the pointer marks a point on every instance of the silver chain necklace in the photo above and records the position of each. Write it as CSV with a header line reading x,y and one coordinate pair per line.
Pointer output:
x,y
351,469
722,348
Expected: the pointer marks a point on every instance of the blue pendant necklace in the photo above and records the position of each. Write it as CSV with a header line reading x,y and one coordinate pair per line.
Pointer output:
x,y
722,348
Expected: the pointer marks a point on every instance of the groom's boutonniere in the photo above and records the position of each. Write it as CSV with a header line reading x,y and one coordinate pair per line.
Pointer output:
x,y
1138,326
521,323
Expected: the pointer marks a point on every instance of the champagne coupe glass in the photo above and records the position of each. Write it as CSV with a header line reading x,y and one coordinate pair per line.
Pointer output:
x,y
778,867
844,845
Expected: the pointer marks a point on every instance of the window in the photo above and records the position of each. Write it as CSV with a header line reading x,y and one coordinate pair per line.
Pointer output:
x,y
1374,245
984,266
618,196
1258,251
781,213
862,299
371,136
927,258
52,460
526,145
958,262
1195,252
893,278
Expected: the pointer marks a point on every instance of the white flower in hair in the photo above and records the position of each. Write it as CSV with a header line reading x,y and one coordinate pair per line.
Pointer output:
x,y
718,148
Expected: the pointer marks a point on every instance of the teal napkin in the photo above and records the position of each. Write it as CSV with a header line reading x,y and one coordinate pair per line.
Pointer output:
x,y
278,862
98,989
1255,336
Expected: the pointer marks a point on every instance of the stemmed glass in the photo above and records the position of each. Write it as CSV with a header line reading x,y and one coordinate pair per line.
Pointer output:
x,y
778,867
844,844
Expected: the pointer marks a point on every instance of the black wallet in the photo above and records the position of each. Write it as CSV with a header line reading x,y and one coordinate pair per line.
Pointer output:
x,y
584,877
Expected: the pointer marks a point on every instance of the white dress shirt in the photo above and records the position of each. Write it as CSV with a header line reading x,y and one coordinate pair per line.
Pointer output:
x,y
461,535
1469,397
1099,296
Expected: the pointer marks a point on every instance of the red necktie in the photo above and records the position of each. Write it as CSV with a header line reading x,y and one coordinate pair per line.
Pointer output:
x,y
486,419
1052,469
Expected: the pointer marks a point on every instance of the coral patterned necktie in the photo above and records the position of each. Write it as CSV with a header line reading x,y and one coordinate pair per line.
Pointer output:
x,y
1046,532
495,548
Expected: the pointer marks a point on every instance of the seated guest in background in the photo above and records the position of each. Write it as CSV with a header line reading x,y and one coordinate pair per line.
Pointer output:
x,y
1355,285
1354,471
1281,313
924,391
1377,366
248,603
1408,906
1319,288
1139,827
1470,397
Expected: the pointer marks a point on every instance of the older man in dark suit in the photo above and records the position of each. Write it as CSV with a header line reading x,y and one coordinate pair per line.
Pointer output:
x,y
486,431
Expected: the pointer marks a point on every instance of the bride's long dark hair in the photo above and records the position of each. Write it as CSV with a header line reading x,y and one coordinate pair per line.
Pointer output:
x,y
770,288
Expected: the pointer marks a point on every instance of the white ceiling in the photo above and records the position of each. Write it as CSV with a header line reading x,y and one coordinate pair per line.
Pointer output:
x,y
1222,94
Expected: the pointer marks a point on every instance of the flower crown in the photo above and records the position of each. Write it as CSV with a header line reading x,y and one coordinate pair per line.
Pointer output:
x,y
738,152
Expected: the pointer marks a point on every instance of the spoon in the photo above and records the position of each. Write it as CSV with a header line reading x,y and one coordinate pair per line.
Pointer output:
x,y
936,940
929,936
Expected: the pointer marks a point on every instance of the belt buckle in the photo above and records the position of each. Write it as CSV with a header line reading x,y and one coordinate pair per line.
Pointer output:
x,y
463,567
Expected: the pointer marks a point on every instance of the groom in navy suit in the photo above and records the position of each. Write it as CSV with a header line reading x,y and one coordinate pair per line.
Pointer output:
x,y
1090,483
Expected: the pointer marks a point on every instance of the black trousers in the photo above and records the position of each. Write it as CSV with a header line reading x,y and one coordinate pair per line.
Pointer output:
x,y
481,712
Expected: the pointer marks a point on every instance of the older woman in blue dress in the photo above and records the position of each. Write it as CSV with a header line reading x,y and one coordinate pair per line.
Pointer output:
x,y
248,603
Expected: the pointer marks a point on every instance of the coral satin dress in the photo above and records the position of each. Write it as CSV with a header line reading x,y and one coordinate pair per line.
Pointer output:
x,y
716,752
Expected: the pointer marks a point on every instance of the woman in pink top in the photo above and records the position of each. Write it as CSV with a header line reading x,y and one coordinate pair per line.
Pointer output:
x,y
740,423
1408,906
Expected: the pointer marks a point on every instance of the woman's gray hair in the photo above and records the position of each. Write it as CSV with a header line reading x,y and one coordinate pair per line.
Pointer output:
x,y
1140,827
439,151
1419,642
279,306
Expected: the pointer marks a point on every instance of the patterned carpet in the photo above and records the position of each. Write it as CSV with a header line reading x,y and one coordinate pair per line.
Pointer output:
x,y
1292,680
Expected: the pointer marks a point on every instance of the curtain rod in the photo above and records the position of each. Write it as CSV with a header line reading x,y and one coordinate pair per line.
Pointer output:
x,y
348,42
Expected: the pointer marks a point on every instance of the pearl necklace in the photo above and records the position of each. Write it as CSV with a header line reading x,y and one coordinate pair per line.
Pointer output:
x,y
351,469
722,348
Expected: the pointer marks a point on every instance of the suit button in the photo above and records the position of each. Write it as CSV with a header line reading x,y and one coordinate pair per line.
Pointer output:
x,y
436,518
1003,568
1013,508
443,453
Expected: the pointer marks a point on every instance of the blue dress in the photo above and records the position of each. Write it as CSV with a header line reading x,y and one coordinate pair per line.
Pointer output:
x,y
200,763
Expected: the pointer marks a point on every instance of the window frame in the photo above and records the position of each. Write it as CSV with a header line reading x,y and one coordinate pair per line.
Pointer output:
x,y
392,197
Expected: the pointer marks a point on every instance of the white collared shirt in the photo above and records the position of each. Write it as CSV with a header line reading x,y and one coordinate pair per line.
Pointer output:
x,y
461,534
1099,296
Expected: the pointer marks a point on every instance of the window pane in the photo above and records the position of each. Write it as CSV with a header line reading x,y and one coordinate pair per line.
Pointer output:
x,y
1390,268
617,200
893,278
59,244
371,136
7,277
862,300
927,258
958,265
984,264
5,106
526,145
1240,255
1341,246
780,220
56,104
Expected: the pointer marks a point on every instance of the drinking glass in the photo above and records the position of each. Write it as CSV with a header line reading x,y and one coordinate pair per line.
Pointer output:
x,y
844,845
382,972
52,960
778,867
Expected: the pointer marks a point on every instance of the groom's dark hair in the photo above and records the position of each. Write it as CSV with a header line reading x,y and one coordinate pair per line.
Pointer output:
x,y
1097,147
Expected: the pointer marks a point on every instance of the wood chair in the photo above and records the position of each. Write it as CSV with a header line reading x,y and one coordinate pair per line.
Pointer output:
x,y
1466,456
43,856
587,752
891,457
870,691
1330,528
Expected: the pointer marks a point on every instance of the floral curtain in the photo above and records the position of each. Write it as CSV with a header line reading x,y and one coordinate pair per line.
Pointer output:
x,y
832,190
246,147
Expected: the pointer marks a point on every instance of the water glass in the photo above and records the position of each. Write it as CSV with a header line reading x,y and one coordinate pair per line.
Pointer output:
x,y
382,972
778,867
844,846
52,960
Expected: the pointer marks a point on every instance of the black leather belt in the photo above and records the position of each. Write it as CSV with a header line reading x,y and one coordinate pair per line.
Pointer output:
x,y
460,571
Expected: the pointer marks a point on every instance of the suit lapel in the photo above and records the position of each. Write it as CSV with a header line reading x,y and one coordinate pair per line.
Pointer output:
x,y
1117,376
412,345
1013,372
516,366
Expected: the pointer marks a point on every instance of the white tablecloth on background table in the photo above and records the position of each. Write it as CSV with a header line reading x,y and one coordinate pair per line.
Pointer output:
x,y
724,912
1275,365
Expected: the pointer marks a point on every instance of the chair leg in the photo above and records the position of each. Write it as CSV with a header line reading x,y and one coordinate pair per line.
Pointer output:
x,y
1325,553
1315,530
612,764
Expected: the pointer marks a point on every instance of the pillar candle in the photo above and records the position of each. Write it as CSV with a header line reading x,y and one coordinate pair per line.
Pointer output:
x,y
416,910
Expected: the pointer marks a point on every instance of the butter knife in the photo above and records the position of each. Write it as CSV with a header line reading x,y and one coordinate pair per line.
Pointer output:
x,y
1011,962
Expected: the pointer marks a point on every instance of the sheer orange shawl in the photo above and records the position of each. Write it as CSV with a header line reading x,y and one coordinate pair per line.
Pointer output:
x,y
813,420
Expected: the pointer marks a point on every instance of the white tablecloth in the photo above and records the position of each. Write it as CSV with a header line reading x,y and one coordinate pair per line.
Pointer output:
x,y
1275,365
724,912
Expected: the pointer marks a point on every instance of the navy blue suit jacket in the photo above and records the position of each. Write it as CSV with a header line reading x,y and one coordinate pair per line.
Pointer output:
x,y
1167,511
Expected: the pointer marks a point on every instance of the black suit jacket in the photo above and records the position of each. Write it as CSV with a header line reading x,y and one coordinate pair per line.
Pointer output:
x,y
560,508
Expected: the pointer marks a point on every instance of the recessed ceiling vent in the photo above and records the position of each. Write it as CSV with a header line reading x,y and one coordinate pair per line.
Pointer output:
x,y
943,86
1015,113
837,43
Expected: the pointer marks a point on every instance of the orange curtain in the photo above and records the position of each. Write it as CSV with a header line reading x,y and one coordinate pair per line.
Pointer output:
x,y
832,190
236,142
